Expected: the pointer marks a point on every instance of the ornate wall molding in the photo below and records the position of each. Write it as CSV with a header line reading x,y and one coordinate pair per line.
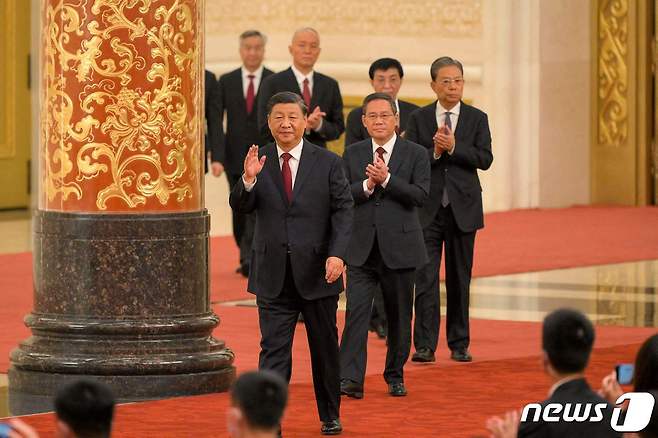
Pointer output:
x,y
7,80
456,18
613,74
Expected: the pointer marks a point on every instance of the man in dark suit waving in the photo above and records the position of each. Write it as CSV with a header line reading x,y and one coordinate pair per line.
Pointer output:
x,y
458,143
390,180
239,90
320,93
304,211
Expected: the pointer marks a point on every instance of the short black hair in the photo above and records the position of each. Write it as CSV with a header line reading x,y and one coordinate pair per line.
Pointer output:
x,y
286,97
646,366
568,337
444,61
87,407
385,64
379,96
262,397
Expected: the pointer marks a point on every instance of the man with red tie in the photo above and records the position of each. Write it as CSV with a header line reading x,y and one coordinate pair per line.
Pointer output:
x,y
320,92
238,91
302,201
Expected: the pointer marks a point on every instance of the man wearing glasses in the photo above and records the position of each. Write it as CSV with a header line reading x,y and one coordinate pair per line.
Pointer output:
x,y
389,179
458,143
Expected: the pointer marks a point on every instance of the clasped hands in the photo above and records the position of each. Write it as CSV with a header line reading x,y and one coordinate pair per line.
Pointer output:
x,y
315,118
444,140
376,172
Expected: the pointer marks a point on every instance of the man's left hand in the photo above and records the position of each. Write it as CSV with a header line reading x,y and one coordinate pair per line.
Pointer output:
x,y
507,427
334,268
378,171
216,168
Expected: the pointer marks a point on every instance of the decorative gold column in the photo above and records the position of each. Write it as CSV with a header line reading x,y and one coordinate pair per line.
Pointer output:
x,y
621,102
121,234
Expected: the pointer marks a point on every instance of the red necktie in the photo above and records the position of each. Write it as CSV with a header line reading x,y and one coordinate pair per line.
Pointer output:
x,y
306,94
287,175
381,151
250,94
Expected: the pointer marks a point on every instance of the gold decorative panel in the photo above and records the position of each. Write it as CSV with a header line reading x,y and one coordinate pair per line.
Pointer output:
x,y
454,18
122,105
613,73
7,101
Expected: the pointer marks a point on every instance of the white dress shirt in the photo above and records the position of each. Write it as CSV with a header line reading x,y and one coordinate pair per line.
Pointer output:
x,y
388,147
299,77
293,163
441,119
258,75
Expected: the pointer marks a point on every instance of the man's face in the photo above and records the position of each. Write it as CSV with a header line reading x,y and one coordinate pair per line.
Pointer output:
x,y
448,86
379,120
387,81
305,49
287,124
252,51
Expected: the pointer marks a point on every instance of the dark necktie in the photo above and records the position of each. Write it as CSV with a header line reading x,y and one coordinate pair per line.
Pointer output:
x,y
250,94
381,151
306,94
444,196
287,175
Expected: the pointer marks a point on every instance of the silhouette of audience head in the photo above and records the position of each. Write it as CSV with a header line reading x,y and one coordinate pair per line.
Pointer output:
x,y
84,409
646,379
567,340
258,400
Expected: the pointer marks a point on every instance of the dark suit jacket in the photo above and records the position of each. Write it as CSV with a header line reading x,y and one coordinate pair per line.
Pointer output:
x,y
575,391
325,94
459,170
241,128
316,225
355,131
390,214
214,135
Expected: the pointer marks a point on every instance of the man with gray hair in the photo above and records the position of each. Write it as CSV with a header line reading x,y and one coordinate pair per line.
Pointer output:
x,y
239,91
319,92
458,143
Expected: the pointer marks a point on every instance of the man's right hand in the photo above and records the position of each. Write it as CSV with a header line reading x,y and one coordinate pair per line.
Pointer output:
x,y
252,164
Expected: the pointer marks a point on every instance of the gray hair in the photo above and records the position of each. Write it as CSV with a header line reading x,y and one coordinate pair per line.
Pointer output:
x,y
444,61
252,33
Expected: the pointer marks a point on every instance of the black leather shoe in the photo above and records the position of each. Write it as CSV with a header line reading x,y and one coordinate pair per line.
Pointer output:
x,y
397,389
351,389
331,427
244,270
378,328
461,355
424,355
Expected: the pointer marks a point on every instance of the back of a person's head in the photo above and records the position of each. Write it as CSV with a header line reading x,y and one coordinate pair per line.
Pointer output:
x,y
651,431
567,339
86,407
261,397
646,366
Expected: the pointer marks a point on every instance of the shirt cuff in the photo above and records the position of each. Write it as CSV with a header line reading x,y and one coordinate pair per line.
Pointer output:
x,y
436,157
319,126
366,190
451,151
248,187
388,177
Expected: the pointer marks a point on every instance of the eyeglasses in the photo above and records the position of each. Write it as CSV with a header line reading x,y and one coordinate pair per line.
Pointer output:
x,y
447,81
384,116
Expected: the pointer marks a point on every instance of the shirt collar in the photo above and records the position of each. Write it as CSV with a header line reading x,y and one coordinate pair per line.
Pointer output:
x,y
299,76
388,146
561,382
257,74
441,111
296,152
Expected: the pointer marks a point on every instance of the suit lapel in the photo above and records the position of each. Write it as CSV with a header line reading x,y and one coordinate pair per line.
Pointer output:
x,y
272,165
292,81
306,162
396,157
316,92
463,119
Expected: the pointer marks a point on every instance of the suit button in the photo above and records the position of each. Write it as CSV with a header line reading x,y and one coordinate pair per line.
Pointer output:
x,y
445,170
377,204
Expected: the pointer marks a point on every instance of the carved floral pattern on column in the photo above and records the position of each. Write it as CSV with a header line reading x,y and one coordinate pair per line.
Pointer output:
x,y
613,73
121,106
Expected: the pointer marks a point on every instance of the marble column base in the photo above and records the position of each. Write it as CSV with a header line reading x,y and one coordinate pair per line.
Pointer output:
x,y
122,299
